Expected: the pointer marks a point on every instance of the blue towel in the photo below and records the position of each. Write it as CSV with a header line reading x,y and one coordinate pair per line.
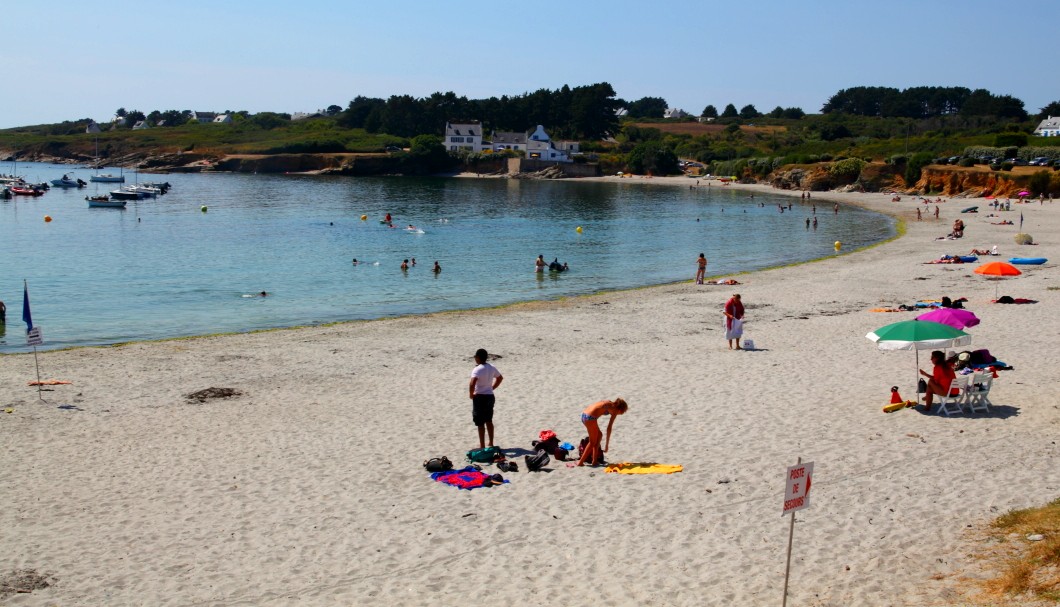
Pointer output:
x,y
567,446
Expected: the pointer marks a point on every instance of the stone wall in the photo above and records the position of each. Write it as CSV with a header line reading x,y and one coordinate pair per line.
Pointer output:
x,y
570,169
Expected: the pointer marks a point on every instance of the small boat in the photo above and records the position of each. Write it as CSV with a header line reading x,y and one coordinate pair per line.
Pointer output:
x,y
146,191
1028,261
26,190
127,195
68,182
5,192
107,178
104,202
162,187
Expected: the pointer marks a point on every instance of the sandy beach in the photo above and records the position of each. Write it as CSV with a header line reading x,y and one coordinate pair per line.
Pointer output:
x,y
308,488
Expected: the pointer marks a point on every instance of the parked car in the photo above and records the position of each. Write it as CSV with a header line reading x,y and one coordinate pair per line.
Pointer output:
x,y
1040,161
1016,162
954,159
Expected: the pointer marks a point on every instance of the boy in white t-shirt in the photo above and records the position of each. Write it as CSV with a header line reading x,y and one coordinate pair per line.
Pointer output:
x,y
484,380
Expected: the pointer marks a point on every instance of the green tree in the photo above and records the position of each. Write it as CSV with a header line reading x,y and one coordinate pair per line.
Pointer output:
x,y
794,113
778,112
748,112
914,167
730,112
648,107
710,112
652,157
355,115
1053,109
427,155
1039,183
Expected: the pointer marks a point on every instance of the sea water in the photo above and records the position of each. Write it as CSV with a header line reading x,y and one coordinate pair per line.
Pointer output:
x,y
164,268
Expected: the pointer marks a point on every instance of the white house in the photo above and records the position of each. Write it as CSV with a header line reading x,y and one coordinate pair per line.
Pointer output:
x,y
621,112
539,145
140,125
463,136
222,119
92,127
203,116
674,112
509,141
1050,127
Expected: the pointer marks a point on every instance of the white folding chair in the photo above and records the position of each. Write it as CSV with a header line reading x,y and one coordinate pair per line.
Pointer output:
x,y
977,395
950,402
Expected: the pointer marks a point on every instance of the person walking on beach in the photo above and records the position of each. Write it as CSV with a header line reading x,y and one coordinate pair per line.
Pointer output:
x,y
593,452
936,211
918,216
701,268
485,378
734,320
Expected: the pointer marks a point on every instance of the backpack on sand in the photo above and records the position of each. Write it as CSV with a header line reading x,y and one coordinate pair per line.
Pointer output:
x,y
438,464
485,456
536,461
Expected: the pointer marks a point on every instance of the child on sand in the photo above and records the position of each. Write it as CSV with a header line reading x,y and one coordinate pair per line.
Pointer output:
x,y
592,451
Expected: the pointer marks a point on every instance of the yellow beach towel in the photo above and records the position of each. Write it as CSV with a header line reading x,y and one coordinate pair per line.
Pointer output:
x,y
644,468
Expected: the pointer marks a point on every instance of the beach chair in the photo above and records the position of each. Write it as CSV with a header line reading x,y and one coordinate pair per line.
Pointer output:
x,y
978,392
950,403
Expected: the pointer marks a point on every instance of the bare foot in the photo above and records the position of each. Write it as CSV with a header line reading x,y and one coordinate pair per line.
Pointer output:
x,y
572,465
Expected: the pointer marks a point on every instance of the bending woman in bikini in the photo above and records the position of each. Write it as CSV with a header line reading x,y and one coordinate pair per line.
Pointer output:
x,y
592,451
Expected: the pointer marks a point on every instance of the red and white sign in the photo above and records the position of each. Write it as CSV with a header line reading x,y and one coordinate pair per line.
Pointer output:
x,y
797,487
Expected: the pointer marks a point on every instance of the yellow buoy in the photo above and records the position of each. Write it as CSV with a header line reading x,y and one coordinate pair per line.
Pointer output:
x,y
203,208
364,218
47,219
578,229
838,245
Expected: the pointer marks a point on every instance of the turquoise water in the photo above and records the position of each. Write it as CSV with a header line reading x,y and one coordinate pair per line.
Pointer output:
x,y
161,268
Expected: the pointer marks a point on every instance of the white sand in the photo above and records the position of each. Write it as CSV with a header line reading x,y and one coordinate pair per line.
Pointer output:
x,y
308,489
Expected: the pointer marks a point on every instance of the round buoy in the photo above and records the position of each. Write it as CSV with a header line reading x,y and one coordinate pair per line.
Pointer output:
x,y
364,218
578,229
203,208
838,245
47,219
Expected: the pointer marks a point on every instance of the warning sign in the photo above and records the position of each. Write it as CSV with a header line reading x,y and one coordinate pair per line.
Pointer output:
x,y
797,487
34,337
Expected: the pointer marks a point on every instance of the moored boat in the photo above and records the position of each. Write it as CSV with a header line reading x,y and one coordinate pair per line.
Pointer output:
x,y
104,202
107,178
122,194
26,190
68,182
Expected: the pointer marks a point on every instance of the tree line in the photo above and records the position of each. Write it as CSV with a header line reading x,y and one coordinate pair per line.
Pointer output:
x,y
583,112
923,102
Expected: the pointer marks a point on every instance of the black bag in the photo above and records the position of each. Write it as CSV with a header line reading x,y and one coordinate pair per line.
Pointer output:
x,y
921,386
536,461
438,464
548,446
561,454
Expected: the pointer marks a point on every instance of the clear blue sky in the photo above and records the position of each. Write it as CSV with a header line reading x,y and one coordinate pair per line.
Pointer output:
x,y
68,59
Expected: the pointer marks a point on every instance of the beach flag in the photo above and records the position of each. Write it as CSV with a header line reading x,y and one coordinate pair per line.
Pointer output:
x,y
1021,221
26,316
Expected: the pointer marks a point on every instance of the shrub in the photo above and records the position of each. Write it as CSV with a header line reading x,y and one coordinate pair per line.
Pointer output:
x,y
1010,140
966,162
1039,183
846,171
1005,166
914,166
1022,238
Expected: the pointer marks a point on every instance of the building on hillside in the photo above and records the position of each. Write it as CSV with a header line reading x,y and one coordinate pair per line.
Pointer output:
x,y
92,127
1050,127
539,145
463,136
621,112
222,119
509,141
140,125
572,148
674,112
202,116
308,115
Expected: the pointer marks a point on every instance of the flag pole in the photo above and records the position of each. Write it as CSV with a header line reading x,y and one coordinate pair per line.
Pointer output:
x,y
787,566
28,319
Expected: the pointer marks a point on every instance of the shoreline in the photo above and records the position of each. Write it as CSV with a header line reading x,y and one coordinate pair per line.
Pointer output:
x,y
309,487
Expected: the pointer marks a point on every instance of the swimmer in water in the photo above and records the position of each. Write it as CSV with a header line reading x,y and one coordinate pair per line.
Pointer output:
x,y
437,268
263,294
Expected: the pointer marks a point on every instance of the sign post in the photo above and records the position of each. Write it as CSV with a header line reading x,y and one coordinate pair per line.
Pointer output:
x,y
33,334
796,497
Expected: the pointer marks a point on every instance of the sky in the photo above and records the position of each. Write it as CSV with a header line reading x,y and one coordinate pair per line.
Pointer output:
x,y
68,60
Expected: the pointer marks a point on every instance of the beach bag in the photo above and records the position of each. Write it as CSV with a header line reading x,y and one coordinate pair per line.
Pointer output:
x,y
536,461
560,454
486,455
748,344
548,446
438,464
921,387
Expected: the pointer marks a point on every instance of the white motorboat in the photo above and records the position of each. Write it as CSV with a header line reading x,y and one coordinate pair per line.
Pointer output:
x,y
107,178
68,182
104,202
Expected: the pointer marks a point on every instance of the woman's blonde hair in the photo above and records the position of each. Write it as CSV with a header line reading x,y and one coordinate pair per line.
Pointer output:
x,y
620,405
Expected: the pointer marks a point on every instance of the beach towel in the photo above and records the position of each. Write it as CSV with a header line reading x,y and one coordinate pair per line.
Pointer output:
x,y
465,478
886,310
643,468
49,382
1015,300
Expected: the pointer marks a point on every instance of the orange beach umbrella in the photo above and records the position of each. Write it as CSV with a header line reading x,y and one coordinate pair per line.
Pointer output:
x,y
998,269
